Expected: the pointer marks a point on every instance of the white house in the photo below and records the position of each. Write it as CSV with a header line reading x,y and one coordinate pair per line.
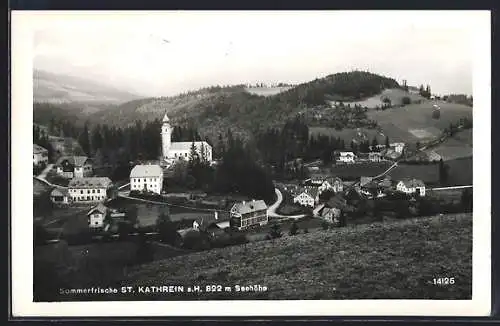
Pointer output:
x,y
249,213
309,197
334,184
90,190
146,178
374,157
40,155
346,157
74,167
411,186
398,147
172,151
96,216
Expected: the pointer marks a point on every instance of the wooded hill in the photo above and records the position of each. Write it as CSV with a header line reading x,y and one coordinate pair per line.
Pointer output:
x,y
221,108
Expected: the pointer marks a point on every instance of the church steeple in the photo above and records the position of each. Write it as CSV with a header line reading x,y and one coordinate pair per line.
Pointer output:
x,y
165,117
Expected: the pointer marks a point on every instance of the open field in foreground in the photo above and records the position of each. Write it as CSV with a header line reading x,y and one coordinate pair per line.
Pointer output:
x,y
395,260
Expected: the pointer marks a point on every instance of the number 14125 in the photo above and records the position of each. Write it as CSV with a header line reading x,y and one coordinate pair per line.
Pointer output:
x,y
443,281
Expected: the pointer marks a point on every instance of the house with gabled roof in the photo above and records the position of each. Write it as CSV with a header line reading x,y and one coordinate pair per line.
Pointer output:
x,y
97,215
411,186
92,189
74,167
60,196
40,155
147,177
309,196
248,213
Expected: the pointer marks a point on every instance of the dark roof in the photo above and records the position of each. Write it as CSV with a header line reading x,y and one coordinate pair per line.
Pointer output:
x,y
37,149
99,207
59,192
73,160
90,182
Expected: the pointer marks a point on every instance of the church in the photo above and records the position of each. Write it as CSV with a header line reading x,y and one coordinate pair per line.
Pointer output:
x,y
172,151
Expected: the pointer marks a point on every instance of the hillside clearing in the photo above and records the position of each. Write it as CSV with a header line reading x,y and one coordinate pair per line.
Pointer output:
x,y
266,91
457,146
378,261
394,94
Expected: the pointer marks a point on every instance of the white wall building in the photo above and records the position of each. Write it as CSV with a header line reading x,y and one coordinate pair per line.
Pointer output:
x,y
97,215
89,190
398,147
411,186
146,178
181,150
74,167
40,155
346,157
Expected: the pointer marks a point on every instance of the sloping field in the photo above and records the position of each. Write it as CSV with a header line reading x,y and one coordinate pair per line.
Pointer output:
x,y
428,173
414,122
394,94
395,260
458,146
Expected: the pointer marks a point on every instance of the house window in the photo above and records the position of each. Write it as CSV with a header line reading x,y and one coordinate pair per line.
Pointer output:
x,y
81,191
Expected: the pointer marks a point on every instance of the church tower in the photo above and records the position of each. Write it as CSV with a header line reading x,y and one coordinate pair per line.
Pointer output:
x,y
166,134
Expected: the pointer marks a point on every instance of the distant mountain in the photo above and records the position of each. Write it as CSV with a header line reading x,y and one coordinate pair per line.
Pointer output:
x,y
50,87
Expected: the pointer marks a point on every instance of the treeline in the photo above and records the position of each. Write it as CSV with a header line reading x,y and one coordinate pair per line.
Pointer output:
x,y
114,145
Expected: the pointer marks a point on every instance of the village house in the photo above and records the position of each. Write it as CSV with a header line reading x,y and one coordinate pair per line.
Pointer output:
x,y
74,167
334,184
40,155
333,209
88,190
374,157
60,196
398,147
146,178
249,213
213,224
391,154
309,196
97,215
411,186
346,157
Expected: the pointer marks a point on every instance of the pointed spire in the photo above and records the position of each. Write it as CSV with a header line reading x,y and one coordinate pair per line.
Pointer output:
x,y
165,117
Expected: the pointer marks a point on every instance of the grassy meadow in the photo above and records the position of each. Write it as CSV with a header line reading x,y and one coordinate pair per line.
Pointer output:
x,y
395,260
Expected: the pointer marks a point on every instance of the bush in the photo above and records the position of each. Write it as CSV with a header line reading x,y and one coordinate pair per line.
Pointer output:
x,y
293,228
324,225
275,231
406,100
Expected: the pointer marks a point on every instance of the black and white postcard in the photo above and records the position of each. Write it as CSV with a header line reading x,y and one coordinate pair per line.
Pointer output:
x,y
251,163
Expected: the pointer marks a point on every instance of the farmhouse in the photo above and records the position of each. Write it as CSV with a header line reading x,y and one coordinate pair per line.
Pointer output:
x,y
398,147
330,214
60,196
246,214
411,186
333,183
212,224
97,215
374,157
40,155
308,197
346,157
363,181
181,150
88,190
146,178
74,167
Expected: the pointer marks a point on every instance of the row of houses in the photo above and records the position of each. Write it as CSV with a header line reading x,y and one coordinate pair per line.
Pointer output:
x,y
368,187
242,215
84,190
377,154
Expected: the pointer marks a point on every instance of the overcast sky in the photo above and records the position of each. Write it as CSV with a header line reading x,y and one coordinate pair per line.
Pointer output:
x,y
166,53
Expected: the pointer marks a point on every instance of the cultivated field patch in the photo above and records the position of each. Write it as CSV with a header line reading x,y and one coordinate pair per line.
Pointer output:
x,y
266,91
